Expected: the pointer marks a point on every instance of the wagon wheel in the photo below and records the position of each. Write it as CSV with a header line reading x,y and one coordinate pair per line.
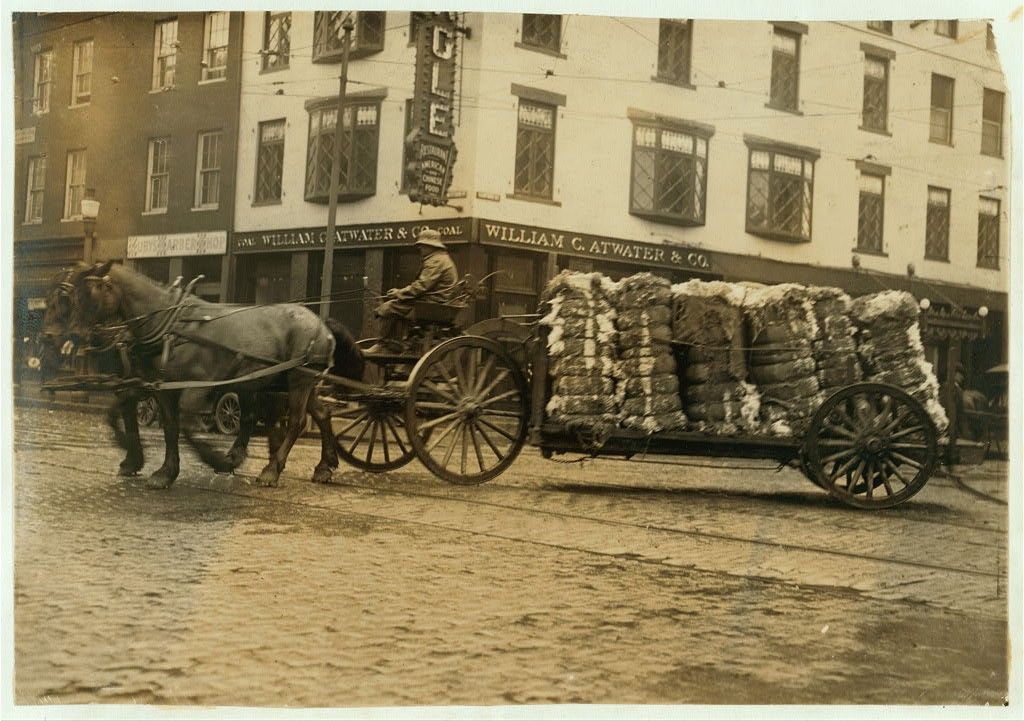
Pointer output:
x,y
871,446
372,435
146,411
467,410
227,415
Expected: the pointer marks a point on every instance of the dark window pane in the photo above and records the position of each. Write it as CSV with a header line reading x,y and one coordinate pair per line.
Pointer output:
x,y
941,129
988,234
876,93
674,50
779,195
937,225
535,150
871,213
543,31
992,123
882,26
785,70
277,40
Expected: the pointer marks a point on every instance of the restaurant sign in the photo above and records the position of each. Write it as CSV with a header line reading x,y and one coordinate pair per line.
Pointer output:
x,y
594,246
430,151
371,235
207,242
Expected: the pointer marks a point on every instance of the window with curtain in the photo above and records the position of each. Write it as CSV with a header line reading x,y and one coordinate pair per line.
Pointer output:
x,y
165,53
871,213
208,154
875,115
158,175
988,233
785,78
941,127
992,123
74,185
81,73
360,135
674,48
277,43
780,188
367,34
35,187
535,150
270,161
42,82
542,31
215,46
669,177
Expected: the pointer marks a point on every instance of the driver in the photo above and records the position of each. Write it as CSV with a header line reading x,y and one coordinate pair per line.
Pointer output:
x,y
437,282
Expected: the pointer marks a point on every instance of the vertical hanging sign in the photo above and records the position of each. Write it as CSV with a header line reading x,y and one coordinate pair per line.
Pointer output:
x,y
430,150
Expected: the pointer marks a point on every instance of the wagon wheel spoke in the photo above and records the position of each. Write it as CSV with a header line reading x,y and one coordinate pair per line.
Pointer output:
x,y
359,437
896,472
900,416
840,470
840,430
434,441
870,478
373,440
885,478
484,373
476,446
362,416
436,406
384,443
439,420
440,391
487,440
503,374
838,455
905,460
398,439
497,413
465,450
500,397
496,429
451,448
905,432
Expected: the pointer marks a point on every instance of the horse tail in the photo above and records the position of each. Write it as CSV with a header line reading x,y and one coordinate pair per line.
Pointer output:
x,y
349,361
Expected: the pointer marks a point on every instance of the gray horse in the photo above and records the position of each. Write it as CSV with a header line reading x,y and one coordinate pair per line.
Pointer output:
x,y
191,340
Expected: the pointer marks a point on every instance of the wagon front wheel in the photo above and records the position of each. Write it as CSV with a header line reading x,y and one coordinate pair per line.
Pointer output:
x,y
467,410
871,445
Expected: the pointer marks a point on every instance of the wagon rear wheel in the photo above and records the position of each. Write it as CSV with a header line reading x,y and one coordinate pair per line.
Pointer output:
x,y
370,428
467,410
871,446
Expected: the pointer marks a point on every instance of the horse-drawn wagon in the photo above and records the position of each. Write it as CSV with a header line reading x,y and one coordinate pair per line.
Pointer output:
x,y
465,401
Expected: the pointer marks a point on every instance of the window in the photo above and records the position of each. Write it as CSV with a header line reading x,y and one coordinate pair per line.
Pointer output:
x,y
81,74
43,81
882,26
875,114
358,171
936,240
367,34
785,83
992,123
871,213
988,233
946,28
215,46
535,150
941,130
165,54
277,43
674,47
270,161
35,184
74,185
543,32
779,193
208,170
669,178
158,175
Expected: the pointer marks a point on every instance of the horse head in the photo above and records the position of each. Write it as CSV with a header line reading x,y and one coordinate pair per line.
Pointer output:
x,y
96,298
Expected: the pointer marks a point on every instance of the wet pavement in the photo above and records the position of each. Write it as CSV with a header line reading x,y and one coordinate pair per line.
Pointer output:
x,y
601,582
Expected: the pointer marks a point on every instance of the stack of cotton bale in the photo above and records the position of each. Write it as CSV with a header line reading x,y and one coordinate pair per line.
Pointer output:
x,y
648,384
582,349
835,349
889,346
783,330
708,319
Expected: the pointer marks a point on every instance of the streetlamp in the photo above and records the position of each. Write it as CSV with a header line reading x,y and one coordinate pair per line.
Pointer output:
x,y
90,210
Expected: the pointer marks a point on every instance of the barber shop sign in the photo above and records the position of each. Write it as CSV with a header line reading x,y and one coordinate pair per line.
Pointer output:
x,y
429,148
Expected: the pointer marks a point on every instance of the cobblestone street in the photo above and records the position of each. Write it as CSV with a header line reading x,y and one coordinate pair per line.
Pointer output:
x,y
602,582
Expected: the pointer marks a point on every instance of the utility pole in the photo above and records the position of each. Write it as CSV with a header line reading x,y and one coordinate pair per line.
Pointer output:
x,y
327,274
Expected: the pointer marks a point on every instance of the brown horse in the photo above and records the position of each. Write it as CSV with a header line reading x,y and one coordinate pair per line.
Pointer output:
x,y
188,340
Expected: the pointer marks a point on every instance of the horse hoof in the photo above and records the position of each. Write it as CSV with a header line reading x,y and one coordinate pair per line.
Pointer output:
x,y
159,481
127,473
267,478
322,475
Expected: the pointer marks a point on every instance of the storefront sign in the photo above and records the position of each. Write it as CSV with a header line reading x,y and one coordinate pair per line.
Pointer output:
x,y
431,151
210,242
593,246
457,230
25,135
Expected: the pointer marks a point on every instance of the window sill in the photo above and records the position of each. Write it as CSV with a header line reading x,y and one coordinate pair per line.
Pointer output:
x,y
72,219
343,197
876,131
937,260
780,108
784,237
533,199
997,156
76,106
40,222
204,208
157,91
539,49
988,267
40,113
671,81
212,81
948,144
666,218
162,211
871,251
262,203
